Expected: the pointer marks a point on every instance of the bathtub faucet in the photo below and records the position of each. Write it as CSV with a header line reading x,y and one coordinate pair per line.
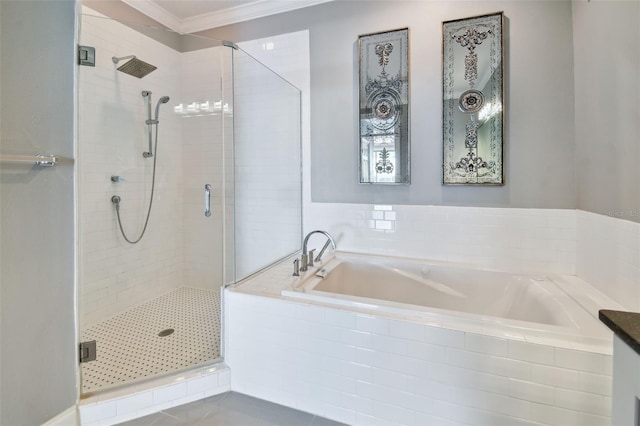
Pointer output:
x,y
307,257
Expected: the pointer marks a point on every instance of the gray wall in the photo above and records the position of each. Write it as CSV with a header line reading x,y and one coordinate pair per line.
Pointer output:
x,y
539,129
607,104
37,292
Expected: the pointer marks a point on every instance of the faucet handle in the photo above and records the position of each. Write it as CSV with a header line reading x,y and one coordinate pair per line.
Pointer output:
x,y
310,264
296,268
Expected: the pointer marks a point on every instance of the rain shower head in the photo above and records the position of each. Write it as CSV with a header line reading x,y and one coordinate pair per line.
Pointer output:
x,y
134,66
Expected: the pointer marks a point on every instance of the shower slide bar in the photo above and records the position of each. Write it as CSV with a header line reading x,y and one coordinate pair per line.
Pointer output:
x,y
36,160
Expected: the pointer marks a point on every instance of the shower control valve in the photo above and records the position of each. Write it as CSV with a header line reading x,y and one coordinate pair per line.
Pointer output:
x,y
116,179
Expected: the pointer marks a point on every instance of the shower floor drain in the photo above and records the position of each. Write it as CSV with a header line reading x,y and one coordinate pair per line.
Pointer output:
x,y
166,332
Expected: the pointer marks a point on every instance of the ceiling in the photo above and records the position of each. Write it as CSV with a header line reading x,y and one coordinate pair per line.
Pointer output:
x,y
188,16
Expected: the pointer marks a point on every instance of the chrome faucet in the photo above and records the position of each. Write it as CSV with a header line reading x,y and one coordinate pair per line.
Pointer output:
x,y
307,260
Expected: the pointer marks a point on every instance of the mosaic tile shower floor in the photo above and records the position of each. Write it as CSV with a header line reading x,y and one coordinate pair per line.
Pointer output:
x,y
129,347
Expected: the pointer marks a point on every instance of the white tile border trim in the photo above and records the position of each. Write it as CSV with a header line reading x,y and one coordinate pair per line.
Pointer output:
x,y
152,396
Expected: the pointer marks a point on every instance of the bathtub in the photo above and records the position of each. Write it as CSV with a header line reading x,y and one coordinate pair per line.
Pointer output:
x,y
365,339
516,306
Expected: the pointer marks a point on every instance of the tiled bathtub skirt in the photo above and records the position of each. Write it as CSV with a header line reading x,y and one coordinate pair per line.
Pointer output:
x,y
365,369
129,347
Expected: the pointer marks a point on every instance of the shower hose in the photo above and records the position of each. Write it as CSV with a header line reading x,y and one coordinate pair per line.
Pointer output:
x,y
116,200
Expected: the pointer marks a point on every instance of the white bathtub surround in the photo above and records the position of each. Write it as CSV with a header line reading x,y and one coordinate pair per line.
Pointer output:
x,y
139,400
362,367
603,250
608,255
524,240
533,308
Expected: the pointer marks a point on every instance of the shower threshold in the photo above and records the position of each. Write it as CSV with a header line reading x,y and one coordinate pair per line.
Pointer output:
x,y
137,345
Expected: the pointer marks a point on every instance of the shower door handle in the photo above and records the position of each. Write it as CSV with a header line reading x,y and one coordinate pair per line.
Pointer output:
x,y
207,200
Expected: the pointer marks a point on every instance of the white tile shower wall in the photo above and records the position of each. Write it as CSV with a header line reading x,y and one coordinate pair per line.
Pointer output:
x,y
363,369
288,55
608,256
527,240
267,165
112,136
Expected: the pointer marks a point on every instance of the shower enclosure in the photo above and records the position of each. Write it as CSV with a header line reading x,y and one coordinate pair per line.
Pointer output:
x,y
214,177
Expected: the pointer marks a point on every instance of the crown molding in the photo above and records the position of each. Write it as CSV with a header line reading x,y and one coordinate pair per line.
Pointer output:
x,y
244,12
233,15
155,12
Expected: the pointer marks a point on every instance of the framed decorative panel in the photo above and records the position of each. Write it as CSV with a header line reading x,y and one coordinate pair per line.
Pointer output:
x,y
384,107
472,122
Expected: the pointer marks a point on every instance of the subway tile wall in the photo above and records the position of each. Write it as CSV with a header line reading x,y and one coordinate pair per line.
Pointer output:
x,y
181,246
115,275
268,204
364,369
603,250
526,240
608,256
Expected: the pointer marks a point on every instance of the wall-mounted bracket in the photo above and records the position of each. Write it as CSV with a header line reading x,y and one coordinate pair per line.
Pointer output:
x,y
88,351
87,56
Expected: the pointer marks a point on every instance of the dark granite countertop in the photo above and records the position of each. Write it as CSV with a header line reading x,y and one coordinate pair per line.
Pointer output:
x,y
625,325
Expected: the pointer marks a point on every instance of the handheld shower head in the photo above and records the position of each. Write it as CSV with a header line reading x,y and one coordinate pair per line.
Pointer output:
x,y
162,100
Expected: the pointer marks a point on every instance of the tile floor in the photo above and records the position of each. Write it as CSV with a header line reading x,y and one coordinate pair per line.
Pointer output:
x,y
129,346
231,409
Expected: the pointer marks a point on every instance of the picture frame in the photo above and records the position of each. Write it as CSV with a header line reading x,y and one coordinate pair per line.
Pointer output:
x,y
383,116
473,100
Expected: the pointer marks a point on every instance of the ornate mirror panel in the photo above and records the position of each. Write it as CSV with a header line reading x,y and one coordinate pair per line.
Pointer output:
x,y
472,72
384,107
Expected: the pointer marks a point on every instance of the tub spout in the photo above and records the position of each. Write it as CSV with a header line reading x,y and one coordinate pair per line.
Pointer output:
x,y
305,254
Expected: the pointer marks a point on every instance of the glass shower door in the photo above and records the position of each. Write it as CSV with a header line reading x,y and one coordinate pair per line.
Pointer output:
x,y
201,140
152,307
